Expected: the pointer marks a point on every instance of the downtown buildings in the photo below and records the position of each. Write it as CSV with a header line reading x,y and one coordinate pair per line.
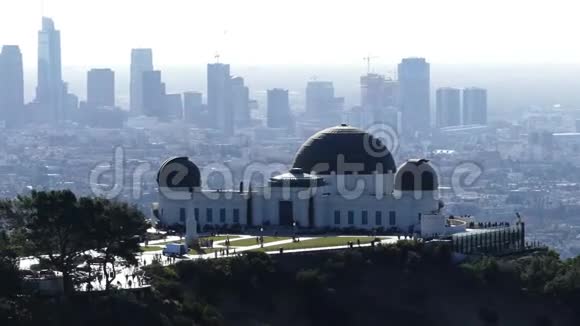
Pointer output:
x,y
153,94
322,105
279,115
101,88
51,91
219,98
192,106
453,109
379,102
141,62
474,106
414,81
11,84
448,107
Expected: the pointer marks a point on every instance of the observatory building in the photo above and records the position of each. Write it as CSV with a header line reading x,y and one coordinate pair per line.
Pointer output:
x,y
342,177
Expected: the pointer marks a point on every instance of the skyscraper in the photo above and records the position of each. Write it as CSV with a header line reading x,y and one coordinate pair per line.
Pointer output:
x,y
240,102
321,104
219,98
414,79
278,108
50,91
100,88
448,107
192,106
474,106
379,97
173,108
372,92
11,83
141,61
153,91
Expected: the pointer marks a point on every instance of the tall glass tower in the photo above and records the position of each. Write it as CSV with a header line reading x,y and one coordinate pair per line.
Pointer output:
x,y
219,98
414,83
141,62
50,90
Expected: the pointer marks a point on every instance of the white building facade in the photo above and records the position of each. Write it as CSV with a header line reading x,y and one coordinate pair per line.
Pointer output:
x,y
342,178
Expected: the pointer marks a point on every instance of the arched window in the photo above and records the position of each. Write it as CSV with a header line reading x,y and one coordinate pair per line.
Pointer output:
x,y
408,181
427,181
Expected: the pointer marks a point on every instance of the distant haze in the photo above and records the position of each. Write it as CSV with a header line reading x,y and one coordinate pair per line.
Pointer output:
x,y
511,87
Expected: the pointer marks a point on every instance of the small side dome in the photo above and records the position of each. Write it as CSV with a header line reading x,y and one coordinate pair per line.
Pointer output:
x,y
416,175
179,172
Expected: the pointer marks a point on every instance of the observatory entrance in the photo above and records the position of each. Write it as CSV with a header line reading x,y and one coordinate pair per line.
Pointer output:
x,y
286,213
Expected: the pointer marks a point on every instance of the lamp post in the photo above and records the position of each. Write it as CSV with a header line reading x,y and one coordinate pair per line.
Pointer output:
x,y
294,230
227,243
261,237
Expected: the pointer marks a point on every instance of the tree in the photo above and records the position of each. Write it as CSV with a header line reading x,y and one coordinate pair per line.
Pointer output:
x,y
116,229
60,229
9,277
51,227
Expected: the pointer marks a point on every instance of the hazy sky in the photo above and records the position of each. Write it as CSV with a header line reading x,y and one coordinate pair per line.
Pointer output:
x,y
102,32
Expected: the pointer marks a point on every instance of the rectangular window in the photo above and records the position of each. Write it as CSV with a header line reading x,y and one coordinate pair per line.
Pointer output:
x,y
236,216
222,215
337,217
350,217
379,218
365,217
182,215
196,213
209,215
392,218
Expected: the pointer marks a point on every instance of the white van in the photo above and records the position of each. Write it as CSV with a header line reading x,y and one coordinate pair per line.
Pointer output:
x,y
175,249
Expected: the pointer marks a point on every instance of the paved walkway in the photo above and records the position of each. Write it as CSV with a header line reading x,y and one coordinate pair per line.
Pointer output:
x,y
127,277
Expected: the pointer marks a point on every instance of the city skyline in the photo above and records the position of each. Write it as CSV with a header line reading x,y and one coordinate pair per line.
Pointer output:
x,y
460,35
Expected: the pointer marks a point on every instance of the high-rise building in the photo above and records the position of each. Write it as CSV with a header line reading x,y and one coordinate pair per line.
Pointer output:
x,y
219,98
448,107
11,82
379,96
372,92
153,91
278,108
321,104
192,106
173,108
414,83
240,102
474,106
141,61
50,90
100,88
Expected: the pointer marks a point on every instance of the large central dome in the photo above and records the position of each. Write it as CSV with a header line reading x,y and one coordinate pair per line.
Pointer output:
x,y
344,150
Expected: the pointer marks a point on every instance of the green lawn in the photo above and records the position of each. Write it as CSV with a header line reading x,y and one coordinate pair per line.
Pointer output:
x,y
216,238
194,251
151,248
252,241
319,242
219,237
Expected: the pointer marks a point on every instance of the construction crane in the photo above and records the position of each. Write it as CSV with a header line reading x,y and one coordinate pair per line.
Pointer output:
x,y
368,61
519,221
